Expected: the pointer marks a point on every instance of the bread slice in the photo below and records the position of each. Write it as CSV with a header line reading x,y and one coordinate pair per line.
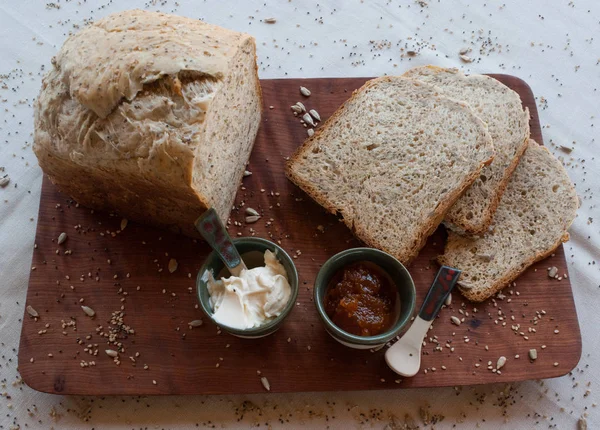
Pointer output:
x,y
150,115
532,220
508,123
392,160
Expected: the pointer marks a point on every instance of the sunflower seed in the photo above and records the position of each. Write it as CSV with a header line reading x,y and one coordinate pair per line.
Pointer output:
x,y
310,132
4,181
501,362
466,59
265,383
448,300
172,265
123,223
111,352
301,106
455,320
463,51
270,20
32,312
465,285
88,311
308,119
252,219
533,354
62,237
582,424
195,323
486,257
247,173
553,271
315,114
251,211
296,108
305,91
566,149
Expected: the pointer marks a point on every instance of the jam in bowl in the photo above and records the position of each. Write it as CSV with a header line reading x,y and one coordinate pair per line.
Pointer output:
x,y
364,297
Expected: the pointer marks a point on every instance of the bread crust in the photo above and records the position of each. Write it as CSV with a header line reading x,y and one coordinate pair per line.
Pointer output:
x,y
479,296
113,58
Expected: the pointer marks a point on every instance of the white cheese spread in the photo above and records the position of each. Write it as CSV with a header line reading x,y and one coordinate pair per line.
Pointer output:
x,y
254,298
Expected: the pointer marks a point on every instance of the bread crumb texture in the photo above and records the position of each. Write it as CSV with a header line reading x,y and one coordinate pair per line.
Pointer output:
x,y
532,220
392,160
508,123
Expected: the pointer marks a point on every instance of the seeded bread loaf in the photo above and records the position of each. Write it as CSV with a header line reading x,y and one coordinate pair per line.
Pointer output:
x,y
532,220
508,123
151,115
392,160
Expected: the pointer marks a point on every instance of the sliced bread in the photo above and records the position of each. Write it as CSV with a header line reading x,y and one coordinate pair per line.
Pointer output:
x,y
508,123
392,160
532,220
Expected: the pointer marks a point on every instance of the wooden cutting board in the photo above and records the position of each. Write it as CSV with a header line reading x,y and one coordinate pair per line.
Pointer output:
x,y
301,356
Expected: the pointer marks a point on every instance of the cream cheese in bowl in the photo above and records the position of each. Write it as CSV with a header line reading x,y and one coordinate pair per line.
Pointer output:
x,y
252,299
256,302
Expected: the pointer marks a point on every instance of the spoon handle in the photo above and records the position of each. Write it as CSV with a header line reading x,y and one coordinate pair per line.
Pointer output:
x,y
444,281
212,230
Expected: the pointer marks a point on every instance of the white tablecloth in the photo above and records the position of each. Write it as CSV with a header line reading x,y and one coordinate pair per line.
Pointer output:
x,y
551,45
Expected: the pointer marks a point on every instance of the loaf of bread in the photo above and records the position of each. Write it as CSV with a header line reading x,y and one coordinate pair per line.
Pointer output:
x,y
532,220
392,160
508,123
150,115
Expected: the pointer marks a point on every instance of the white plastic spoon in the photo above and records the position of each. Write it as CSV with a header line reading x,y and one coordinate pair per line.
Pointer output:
x,y
404,357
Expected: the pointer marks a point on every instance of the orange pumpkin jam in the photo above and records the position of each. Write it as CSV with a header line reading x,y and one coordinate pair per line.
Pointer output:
x,y
361,299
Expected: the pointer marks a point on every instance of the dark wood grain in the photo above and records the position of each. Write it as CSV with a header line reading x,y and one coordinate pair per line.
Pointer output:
x,y
299,357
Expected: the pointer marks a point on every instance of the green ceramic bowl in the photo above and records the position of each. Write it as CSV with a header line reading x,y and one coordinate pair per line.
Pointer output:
x,y
252,250
397,272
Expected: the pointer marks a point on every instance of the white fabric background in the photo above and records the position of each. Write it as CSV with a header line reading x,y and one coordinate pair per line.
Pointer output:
x,y
550,44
